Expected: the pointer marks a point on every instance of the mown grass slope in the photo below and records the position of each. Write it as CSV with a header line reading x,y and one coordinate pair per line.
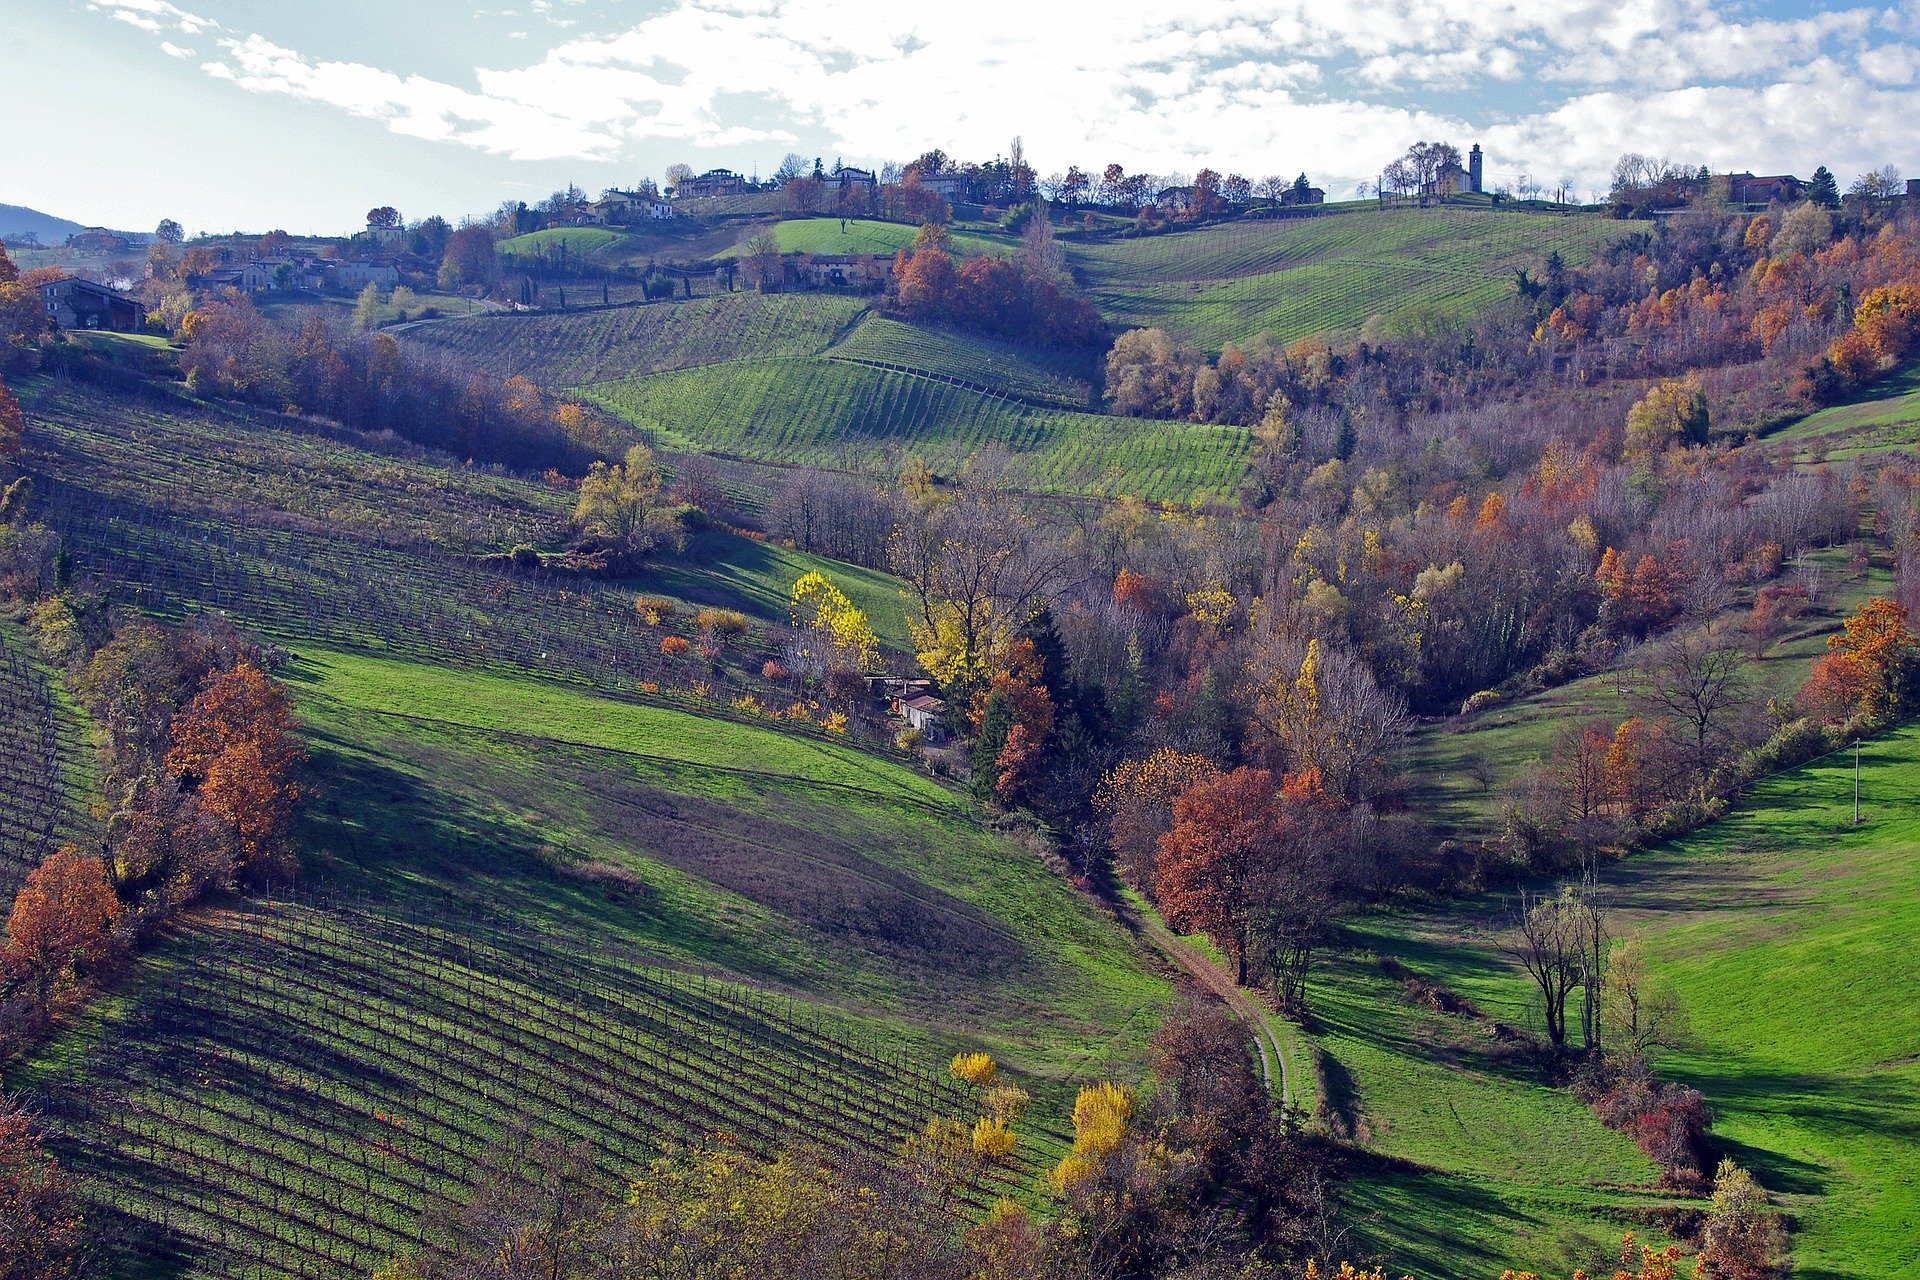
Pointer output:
x,y
1300,277
838,413
865,235
1886,418
1786,931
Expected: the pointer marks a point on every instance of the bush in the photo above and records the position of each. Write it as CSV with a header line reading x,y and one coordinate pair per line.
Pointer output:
x,y
909,740
1479,701
674,646
725,623
654,609
772,669
1668,1122
524,559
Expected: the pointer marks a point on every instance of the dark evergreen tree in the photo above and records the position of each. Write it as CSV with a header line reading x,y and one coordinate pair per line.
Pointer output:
x,y
1822,189
995,723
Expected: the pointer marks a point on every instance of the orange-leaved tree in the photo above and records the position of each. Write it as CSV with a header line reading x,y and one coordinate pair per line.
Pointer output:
x,y
61,923
1871,666
1136,801
40,1222
1221,829
234,746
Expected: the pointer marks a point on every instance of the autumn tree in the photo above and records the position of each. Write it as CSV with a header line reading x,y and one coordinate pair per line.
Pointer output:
x,y
1673,412
1697,682
1135,800
1561,944
235,748
1871,667
61,924
1223,829
40,1222
1742,1238
1327,711
617,500
834,630
760,259
469,260
1638,1012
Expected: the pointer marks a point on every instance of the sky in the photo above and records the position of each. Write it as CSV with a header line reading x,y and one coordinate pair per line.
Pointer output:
x,y
302,114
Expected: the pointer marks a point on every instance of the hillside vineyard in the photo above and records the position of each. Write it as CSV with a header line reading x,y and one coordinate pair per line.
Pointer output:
x,y
932,721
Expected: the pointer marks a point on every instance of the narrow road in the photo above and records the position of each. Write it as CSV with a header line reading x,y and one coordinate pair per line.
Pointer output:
x,y
1273,1064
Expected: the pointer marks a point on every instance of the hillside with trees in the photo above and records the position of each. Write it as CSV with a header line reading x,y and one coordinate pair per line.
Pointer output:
x,y
947,722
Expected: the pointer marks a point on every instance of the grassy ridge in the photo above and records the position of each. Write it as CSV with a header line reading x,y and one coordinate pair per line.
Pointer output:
x,y
839,413
1295,278
864,235
566,350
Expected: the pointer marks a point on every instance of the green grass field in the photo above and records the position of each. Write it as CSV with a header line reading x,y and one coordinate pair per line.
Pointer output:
x,y
1300,277
837,413
863,235
637,922
1786,932
1886,419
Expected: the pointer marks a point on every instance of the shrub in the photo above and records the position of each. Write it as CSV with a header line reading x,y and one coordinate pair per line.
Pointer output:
x,y
974,1068
1479,701
992,1138
909,740
725,623
524,558
653,609
1668,1122
674,646
772,669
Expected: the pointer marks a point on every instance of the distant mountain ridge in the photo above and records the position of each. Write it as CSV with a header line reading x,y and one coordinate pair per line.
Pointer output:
x,y
18,221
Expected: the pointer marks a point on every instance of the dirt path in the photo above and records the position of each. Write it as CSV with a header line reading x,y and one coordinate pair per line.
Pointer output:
x,y
1273,1063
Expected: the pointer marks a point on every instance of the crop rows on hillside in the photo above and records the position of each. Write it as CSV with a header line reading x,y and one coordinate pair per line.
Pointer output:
x,y
566,350
838,413
243,467
33,790
293,1082
1299,277
1045,376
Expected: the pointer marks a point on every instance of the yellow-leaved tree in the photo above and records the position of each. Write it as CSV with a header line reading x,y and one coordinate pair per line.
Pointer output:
x,y
837,632
1674,412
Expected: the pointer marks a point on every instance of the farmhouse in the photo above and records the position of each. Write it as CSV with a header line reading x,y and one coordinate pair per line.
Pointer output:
x,y
850,180
1177,201
624,208
1744,188
98,240
953,187
358,275
714,182
840,270
386,235
73,303
924,712
251,277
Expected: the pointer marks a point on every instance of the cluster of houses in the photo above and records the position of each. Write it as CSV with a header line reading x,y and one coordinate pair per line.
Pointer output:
x,y
298,270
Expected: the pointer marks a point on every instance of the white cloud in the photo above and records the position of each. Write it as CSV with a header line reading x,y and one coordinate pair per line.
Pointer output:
x,y
1330,86
154,15
173,50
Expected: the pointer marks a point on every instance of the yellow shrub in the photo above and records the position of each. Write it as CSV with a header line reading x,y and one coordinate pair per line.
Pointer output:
x,y
1070,1170
992,1138
974,1068
1100,1117
1006,1102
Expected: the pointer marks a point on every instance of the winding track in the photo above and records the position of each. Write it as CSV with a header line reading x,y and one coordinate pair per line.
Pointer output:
x,y
1273,1063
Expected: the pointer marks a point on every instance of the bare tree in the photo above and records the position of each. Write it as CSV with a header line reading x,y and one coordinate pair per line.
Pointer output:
x,y
1562,947
1638,1013
1698,682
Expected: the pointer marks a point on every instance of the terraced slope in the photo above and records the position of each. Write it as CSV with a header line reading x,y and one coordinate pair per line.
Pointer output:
x,y
1301,277
1886,419
837,413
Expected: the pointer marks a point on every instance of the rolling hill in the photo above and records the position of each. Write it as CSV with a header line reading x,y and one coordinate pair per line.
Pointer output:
x,y
1329,274
17,221
535,894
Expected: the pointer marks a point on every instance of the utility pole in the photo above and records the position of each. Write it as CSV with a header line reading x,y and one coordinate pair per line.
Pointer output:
x,y
1856,782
